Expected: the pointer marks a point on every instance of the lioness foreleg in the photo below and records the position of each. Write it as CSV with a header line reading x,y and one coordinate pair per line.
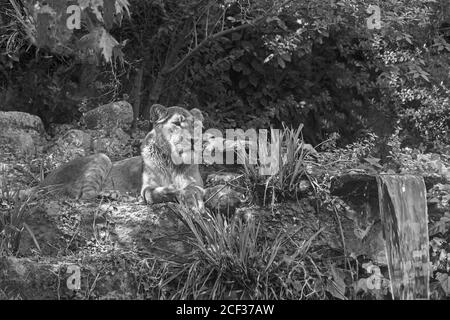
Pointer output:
x,y
193,195
153,194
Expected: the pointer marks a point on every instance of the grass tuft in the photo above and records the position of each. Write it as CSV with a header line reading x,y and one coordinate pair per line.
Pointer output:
x,y
296,163
15,207
14,210
235,260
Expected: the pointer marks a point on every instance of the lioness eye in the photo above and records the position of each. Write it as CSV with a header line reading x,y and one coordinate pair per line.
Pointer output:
x,y
177,123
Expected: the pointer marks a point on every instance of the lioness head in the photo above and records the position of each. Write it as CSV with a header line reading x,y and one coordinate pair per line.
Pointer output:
x,y
174,130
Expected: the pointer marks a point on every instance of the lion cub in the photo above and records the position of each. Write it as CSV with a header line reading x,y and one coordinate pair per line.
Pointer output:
x,y
154,175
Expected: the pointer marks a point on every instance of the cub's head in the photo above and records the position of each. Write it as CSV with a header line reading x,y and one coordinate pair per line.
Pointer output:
x,y
173,130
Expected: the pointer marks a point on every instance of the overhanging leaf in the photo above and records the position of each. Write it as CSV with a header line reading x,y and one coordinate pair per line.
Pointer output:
x,y
95,5
107,44
337,287
99,41
444,280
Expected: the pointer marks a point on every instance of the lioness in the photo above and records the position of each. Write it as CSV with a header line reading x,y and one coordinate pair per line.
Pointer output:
x,y
154,175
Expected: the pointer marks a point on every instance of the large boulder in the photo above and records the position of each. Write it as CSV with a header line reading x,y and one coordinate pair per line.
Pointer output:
x,y
20,121
17,142
110,116
21,133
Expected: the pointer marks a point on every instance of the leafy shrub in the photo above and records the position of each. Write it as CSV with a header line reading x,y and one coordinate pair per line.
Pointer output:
x,y
425,117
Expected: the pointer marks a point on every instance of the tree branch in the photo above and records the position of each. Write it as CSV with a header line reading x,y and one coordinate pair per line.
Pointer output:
x,y
222,33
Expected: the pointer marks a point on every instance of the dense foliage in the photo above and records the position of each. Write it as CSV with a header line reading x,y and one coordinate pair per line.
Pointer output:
x,y
246,63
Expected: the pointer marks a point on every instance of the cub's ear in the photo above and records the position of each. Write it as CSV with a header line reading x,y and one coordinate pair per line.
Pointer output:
x,y
158,113
197,114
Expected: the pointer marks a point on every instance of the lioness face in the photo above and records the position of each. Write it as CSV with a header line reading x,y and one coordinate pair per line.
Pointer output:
x,y
179,128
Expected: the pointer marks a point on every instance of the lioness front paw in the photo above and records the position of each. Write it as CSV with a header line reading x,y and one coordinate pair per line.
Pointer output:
x,y
160,194
192,195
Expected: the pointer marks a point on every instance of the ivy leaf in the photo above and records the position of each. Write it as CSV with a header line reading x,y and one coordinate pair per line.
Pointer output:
x,y
100,41
425,77
95,5
122,6
408,38
281,62
441,225
281,24
268,58
374,162
444,281
286,57
337,286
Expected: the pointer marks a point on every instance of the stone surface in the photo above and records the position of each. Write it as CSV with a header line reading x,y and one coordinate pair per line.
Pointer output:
x,y
18,142
20,121
21,133
109,116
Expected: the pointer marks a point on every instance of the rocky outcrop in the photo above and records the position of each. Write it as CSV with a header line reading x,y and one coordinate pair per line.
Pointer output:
x,y
117,247
116,114
21,121
20,133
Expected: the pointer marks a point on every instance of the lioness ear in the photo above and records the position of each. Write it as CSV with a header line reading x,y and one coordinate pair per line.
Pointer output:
x,y
158,113
197,114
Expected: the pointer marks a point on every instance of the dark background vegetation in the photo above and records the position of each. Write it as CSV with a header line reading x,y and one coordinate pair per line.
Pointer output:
x,y
375,100
251,63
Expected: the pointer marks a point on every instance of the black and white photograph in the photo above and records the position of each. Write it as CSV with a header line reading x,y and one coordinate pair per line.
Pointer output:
x,y
224,155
